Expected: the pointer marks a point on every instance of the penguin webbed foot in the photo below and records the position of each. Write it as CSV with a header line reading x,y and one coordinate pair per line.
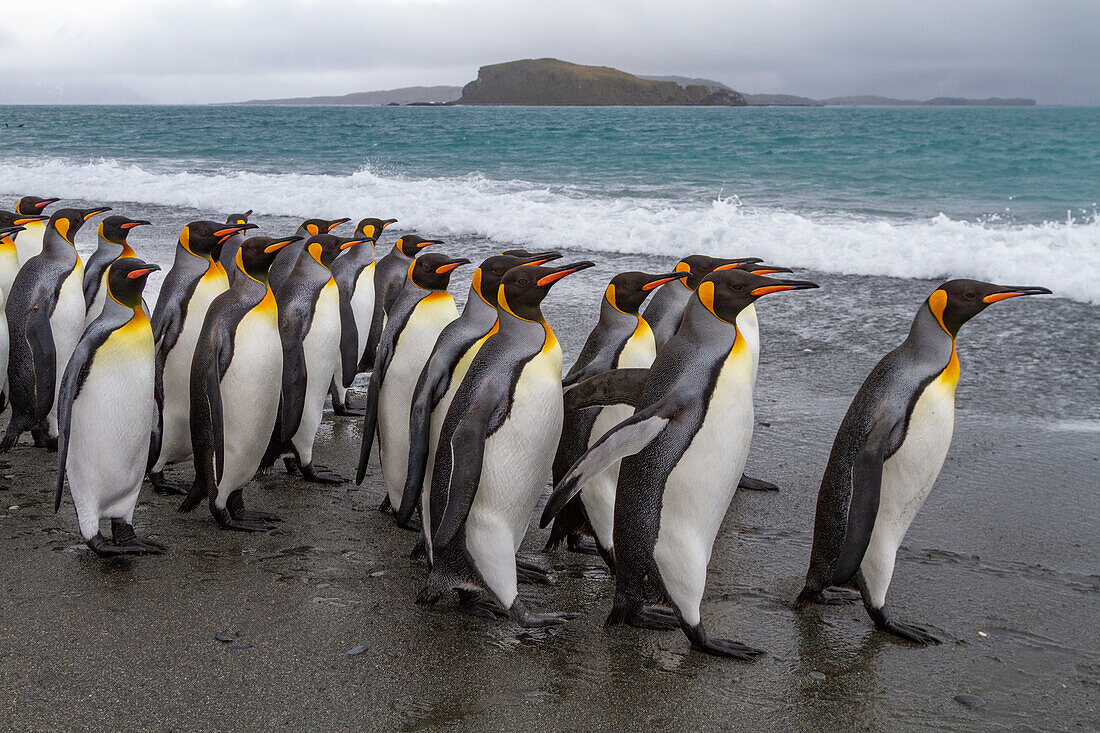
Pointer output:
x,y
655,618
531,620
755,484
909,632
532,573
719,647
836,596
582,545
124,541
318,473
478,605
165,488
234,506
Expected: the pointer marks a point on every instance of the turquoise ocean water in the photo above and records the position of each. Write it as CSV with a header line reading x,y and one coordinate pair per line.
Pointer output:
x,y
1003,194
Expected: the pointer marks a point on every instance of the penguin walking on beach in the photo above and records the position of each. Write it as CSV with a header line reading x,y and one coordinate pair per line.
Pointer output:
x,y
420,313
451,356
45,313
288,257
353,272
236,378
621,340
196,278
113,231
391,272
309,328
682,455
495,450
888,453
105,409
228,256
30,243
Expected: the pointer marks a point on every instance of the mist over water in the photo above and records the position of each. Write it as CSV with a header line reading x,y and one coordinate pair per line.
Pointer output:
x,y
987,193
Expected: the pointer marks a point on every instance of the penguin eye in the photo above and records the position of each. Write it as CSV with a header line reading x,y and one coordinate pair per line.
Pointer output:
x,y
970,295
522,281
738,286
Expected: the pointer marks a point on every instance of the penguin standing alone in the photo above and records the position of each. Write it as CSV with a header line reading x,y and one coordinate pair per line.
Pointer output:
x,y
112,246
888,453
390,274
309,328
416,318
45,312
196,278
105,409
30,243
682,455
236,377
496,447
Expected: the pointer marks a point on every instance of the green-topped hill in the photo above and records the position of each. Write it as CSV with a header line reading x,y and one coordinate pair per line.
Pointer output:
x,y
554,82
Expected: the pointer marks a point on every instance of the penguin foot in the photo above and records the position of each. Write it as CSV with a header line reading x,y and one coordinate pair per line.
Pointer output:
x,y
836,596
475,604
532,573
317,473
909,632
105,548
719,647
244,525
582,545
755,484
530,620
655,618
163,487
247,515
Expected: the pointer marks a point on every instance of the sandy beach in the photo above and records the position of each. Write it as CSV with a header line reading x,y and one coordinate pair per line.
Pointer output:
x,y
236,631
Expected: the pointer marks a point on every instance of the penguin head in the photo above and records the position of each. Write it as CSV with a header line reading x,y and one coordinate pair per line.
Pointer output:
x,y
522,289
628,290
115,229
957,301
205,238
433,270
487,276
754,266
126,279
257,253
725,293
32,205
371,228
321,226
324,248
238,218
67,222
410,244
12,219
699,266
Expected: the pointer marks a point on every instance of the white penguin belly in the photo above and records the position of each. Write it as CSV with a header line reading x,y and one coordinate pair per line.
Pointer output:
x,y
907,479
598,495
250,397
700,487
97,302
749,327
414,346
109,429
66,324
28,242
362,307
9,267
321,342
514,474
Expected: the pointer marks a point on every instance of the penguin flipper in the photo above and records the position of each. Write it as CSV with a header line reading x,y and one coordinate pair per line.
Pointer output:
x,y
625,439
349,342
75,373
371,347
43,359
370,417
428,392
466,462
863,506
293,334
614,387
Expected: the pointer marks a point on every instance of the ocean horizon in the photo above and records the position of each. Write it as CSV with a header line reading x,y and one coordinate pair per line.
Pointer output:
x,y
1003,194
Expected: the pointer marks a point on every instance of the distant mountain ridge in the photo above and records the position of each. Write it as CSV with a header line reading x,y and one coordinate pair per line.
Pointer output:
x,y
404,95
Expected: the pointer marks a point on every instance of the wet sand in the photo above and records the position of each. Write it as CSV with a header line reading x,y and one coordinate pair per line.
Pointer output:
x,y
1001,562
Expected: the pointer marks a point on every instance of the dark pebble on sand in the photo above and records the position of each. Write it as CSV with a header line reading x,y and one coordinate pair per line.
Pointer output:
x,y
971,701
354,651
817,676
223,638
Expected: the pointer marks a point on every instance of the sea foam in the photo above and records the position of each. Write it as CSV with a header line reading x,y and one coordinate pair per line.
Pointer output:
x,y
1064,255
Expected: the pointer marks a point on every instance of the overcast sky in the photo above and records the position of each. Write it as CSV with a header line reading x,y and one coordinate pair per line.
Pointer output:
x,y
231,50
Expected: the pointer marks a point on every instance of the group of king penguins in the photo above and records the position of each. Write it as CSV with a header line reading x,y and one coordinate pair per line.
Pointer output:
x,y
645,437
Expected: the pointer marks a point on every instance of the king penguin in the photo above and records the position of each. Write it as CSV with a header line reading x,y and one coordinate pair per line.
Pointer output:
x,y
105,409
45,312
353,272
7,248
14,225
455,348
309,328
390,275
228,256
30,243
416,318
495,450
888,453
112,246
286,259
682,454
196,278
621,340
236,378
